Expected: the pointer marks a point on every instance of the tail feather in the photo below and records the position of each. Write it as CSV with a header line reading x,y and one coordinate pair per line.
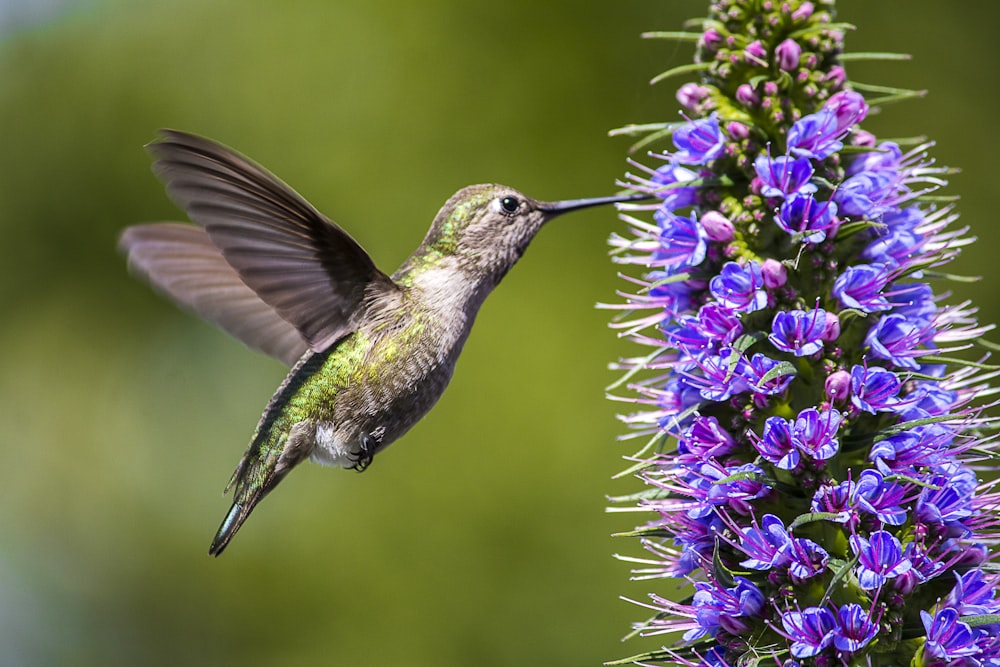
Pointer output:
x,y
265,463
238,513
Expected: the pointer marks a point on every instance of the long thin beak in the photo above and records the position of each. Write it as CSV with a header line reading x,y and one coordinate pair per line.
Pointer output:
x,y
566,205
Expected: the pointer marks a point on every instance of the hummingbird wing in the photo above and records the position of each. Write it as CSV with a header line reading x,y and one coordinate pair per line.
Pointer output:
x,y
181,260
309,270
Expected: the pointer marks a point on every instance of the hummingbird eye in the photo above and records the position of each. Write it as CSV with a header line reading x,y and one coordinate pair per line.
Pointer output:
x,y
510,205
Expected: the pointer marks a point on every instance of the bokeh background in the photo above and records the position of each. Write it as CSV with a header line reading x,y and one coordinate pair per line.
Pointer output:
x,y
481,538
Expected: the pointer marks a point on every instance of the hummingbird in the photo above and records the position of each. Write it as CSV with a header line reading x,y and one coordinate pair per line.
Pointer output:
x,y
370,353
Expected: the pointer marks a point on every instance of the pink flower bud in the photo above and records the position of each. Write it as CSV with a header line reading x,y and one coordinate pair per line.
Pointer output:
x,y
746,96
711,38
838,386
849,107
774,273
836,76
804,11
788,53
691,95
717,226
770,88
737,131
831,331
862,138
755,51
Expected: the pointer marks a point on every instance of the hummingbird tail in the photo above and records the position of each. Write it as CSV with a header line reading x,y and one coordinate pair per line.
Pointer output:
x,y
238,513
264,465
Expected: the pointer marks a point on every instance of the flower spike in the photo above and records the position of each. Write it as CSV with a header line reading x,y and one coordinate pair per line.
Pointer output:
x,y
812,432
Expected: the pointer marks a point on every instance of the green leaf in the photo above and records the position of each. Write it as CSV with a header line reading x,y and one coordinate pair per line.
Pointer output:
x,y
782,369
989,345
890,94
953,277
690,68
677,36
652,493
747,340
656,656
873,55
723,576
841,569
811,517
890,431
746,475
649,531
935,359
654,442
980,619
638,367
634,129
813,29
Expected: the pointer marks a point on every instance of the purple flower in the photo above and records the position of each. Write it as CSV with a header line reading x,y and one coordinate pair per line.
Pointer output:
x,y
948,638
802,214
880,557
730,609
740,287
861,287
863,195
835,500
896,339
762,377
781,437
811,630
718,376
734,485
854,628
806,559
706,438
764,546
910,451
667,184
943,508
718,323
814,433
973,594
915,302
872,494
782,176
798,331
896,248
683,241
874,389
816,136
699,141
776,445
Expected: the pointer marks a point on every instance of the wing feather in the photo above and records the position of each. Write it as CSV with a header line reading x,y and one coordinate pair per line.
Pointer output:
x,y
181,261
309,270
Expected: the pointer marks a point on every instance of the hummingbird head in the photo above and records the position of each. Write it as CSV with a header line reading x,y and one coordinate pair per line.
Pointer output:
x,y
487,228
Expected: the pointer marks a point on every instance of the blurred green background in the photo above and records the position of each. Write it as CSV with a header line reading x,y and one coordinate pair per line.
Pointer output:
x,y
480,538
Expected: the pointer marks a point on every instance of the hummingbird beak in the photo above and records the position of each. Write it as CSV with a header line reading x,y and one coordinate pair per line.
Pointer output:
x,y
557,207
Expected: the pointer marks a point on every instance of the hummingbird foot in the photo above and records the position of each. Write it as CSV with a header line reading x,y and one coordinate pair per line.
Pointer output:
x,y
365,456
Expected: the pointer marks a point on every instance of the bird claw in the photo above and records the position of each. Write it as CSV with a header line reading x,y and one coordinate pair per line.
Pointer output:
x,y
364,457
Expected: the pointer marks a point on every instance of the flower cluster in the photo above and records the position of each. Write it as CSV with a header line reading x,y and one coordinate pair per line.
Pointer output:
x,y
812,435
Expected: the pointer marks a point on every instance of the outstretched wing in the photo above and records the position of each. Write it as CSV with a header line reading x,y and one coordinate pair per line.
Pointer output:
x,y
309,270
181,261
